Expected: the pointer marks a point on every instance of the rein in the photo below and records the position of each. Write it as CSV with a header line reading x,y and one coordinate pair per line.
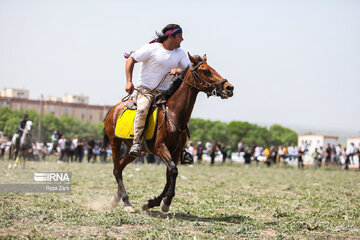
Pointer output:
x,y
146,92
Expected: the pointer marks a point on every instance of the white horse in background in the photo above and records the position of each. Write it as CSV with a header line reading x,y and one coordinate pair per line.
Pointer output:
x,y
20,148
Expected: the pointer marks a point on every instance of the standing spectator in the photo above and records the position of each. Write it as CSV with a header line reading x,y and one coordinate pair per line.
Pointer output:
x,y
257,154
291,153
300,159
241,147
358,155
328,154
62,147
209,147
73,152
229,150
54,141
199,151
79,151
347,155
285,153
273,155
351,153
247,157
90,147
96,151
338,154
267,154
68,143
321,156
103,155
333,154
2,145
191,149
213,151
316,157
221,148
295,152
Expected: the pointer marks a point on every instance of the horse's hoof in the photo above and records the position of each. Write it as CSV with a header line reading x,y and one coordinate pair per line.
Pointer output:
x,y
145,207
164,207
129,209
15,165
114,203
9,167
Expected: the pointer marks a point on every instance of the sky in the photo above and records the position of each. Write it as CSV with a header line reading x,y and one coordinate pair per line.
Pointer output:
x,y
294,63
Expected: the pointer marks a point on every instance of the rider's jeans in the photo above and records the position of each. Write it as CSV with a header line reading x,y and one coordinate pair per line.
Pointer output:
x,y
143,101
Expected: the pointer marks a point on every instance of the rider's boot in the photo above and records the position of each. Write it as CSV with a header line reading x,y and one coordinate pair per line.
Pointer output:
x,y
135,149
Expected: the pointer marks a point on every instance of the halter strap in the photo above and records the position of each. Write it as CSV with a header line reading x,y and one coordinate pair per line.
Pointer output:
x,y
213,91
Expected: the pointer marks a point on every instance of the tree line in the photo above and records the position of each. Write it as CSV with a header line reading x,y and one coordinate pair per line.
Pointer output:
x,y
236,131
68,126
200,129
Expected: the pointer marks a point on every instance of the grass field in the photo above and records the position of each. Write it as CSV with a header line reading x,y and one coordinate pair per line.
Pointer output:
x,y
220,202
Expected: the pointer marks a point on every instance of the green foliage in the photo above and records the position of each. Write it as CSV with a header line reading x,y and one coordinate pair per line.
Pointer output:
x,y
70,127
200,129
235,131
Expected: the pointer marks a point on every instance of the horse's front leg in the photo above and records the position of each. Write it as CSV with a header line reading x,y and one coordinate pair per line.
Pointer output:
x,y
171,180
156,201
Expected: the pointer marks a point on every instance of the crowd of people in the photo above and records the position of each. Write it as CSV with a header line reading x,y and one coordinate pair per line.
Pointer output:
x,y
74,149
331,154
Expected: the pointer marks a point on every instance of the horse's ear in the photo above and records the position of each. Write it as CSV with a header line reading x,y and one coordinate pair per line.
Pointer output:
x,y
204,58
192,59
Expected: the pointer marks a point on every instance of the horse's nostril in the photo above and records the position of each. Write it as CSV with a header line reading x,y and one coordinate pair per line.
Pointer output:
x,y
229,88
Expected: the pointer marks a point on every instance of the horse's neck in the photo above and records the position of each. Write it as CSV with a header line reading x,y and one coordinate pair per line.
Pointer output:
x,y
181,104
25,137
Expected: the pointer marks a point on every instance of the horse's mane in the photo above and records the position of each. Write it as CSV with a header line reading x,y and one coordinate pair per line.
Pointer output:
x,y
175,84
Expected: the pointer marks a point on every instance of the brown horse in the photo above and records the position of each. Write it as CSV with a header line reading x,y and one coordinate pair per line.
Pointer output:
x,y
171,132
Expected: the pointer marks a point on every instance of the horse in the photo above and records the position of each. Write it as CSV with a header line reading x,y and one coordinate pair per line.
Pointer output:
x,y
20,148
172,131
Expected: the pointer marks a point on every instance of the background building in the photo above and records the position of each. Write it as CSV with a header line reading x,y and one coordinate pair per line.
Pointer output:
x,y
71,105
14,93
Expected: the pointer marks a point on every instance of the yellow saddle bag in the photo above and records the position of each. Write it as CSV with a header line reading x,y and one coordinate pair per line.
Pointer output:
x,y
125,125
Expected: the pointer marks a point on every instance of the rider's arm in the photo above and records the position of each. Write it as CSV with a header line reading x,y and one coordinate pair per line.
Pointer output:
x,y
20,128
129,67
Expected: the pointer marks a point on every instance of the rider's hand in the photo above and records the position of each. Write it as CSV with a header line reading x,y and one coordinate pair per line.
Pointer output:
x,y
175,71
129,88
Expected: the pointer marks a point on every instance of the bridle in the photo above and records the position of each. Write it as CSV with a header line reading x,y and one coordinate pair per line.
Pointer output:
x,y
212,88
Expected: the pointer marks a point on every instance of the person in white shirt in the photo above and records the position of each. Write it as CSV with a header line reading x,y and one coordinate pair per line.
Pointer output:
x,y
62,147
162,56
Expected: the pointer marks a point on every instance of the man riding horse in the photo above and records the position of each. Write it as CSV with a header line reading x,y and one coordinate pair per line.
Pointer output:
x,y
161,56
21,128
174,110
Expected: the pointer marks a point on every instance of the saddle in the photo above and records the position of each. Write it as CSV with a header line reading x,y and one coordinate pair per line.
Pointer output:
x,y
124,128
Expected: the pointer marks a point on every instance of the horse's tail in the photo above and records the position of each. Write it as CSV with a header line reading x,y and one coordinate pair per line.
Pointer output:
x,y
106,140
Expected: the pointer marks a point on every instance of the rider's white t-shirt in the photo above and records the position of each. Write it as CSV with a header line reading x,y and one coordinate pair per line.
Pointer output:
x,y
157,61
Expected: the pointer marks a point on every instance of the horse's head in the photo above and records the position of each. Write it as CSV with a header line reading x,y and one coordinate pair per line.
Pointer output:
x,y
28,126
207,80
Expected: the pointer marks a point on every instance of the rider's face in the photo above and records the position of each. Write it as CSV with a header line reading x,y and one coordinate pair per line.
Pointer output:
x,y
177,40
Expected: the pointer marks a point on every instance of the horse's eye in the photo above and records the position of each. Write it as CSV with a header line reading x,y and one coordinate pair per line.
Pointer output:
x,y
207,72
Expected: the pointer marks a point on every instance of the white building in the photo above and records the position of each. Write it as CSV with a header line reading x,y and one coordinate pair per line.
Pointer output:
x,y
315,141
69,98
14,93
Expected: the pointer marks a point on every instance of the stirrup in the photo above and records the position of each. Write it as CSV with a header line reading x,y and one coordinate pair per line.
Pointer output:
x,y
135,150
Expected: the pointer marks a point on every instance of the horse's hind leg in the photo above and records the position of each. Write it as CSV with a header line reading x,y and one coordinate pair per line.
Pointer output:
x,y
119,165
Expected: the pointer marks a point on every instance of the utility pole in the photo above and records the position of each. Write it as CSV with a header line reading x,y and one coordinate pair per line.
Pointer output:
x,y
40,118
